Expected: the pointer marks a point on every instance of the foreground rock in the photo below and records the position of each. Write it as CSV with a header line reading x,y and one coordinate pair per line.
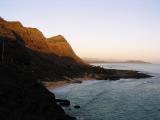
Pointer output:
x,y
64,103
22,98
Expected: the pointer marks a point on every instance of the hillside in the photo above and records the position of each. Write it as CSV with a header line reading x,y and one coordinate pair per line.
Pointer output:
x,y
23,98
60,46
29,49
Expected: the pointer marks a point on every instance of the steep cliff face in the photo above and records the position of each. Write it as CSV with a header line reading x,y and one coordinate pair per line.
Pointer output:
x,y
25,59
29,49
60,46
35,40
32,37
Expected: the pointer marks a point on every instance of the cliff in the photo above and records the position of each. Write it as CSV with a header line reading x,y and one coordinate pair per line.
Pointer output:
x,y
32,37
60,46
29,49
22,65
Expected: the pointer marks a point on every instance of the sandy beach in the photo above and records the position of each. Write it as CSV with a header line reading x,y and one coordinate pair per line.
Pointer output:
x,y
61,83
56,84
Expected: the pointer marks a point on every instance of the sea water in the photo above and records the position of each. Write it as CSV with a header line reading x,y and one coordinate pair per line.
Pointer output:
x,y
125,99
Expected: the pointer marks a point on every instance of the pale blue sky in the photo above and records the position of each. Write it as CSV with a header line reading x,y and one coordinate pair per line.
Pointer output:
x,y
109,29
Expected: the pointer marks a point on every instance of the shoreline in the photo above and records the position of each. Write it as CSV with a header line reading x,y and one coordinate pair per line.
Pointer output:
x,y
56,84
61,83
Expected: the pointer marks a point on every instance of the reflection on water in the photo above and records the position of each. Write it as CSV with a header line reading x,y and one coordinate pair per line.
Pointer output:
x,y
126,99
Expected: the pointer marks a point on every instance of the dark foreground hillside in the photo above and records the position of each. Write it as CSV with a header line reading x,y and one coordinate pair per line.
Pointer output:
x,y
23,98
26,59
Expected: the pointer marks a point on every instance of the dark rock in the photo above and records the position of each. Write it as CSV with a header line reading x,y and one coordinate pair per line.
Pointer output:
x,y
64,103
77,81
77,106
22,98
114,78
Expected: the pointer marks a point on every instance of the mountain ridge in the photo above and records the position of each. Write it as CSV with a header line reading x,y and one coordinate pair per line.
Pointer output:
x,y
59,46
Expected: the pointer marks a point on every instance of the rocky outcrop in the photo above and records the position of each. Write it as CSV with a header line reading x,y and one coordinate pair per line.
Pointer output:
x,y
60,46
64,103
77,106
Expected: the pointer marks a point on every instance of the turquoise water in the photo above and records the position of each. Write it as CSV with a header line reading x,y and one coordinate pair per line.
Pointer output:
x,y
126,99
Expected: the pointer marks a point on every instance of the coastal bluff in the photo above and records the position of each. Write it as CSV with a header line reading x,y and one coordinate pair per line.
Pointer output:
x,y
28,58
59,46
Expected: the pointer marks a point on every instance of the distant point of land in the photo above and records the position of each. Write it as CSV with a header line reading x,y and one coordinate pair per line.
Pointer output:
x,y
94,60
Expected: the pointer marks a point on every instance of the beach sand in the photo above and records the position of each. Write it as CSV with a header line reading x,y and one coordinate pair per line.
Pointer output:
x,y
61,83
56,84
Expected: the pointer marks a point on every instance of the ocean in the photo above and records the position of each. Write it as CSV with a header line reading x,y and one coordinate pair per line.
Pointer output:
x,y
125,99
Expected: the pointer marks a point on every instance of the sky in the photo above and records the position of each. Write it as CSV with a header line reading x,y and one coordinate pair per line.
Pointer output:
x,y
103,29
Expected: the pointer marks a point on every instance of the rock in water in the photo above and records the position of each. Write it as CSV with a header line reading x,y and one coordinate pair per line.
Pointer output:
x,y
64,103
77,106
